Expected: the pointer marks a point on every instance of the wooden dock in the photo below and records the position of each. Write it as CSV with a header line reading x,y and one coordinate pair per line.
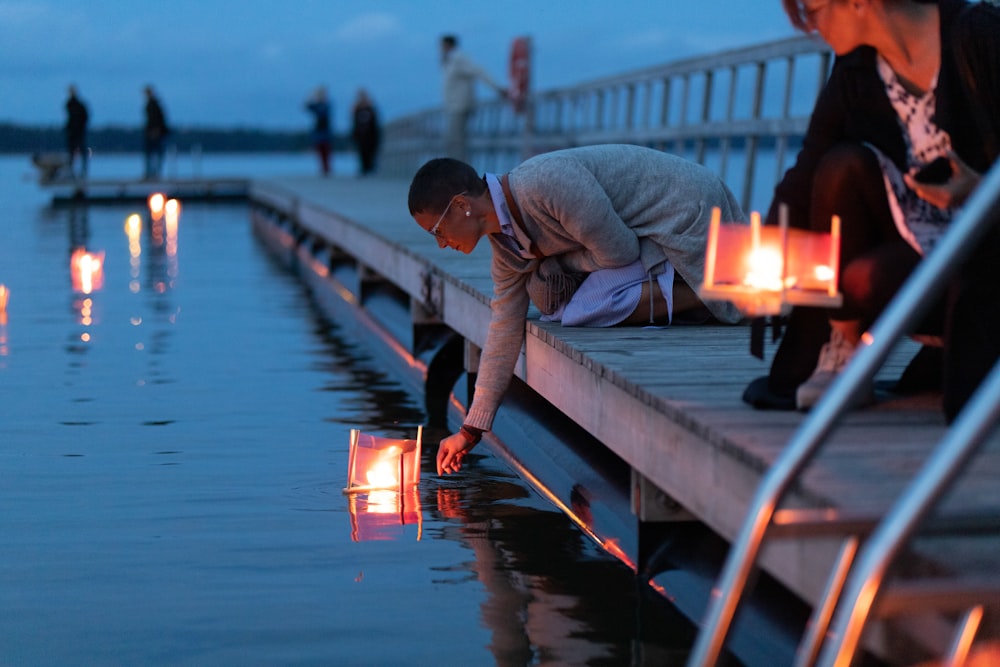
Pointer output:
x,y
667,401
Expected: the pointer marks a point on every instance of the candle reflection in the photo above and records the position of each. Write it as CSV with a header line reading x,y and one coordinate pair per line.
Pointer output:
x,y
4,296
133,228
384,514
87,270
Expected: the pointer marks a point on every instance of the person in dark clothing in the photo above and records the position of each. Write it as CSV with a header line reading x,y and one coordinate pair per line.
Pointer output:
x,y
322,135
76,132
155,135
365,132
915,84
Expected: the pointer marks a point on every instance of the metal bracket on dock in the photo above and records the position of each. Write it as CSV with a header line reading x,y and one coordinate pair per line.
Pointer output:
x,y
650,503
432,293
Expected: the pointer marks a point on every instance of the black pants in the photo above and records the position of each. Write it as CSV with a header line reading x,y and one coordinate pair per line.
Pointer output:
x,y
875,262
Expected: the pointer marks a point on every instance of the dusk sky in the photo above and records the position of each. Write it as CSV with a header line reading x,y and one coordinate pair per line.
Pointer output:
x,y
252,63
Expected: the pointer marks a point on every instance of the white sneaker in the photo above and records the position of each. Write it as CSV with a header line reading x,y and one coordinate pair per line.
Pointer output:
x,y
832,360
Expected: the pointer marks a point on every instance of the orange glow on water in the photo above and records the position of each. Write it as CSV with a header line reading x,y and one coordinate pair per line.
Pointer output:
x,y
87,270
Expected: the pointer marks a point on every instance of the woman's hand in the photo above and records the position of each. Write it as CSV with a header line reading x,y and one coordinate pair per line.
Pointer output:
x,y
451,451
952,192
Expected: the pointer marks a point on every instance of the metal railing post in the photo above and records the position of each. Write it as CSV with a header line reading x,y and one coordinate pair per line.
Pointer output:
x,y
903,313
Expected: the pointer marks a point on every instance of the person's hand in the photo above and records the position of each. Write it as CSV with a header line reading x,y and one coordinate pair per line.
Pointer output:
x,y
451,451
952,192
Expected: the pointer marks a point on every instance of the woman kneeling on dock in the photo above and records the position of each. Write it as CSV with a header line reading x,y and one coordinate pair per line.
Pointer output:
x,y
595,236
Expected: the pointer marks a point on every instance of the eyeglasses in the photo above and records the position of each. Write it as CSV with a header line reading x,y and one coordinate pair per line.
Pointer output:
x,y
434,229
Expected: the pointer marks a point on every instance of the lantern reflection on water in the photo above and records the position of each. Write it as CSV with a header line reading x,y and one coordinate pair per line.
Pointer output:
x,y
86,270
4,296
382,463
765,270
381,514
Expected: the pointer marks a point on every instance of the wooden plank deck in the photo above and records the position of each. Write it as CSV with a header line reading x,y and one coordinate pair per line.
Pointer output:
x,y
667,400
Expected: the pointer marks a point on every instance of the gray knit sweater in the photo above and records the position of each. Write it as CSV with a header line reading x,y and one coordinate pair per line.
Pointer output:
x,y
593,208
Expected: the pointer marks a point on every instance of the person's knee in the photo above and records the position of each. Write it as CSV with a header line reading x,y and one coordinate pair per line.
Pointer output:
x,y
847,166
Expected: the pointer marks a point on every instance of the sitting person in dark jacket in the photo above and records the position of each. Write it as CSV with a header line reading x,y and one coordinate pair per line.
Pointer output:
x,y
914,90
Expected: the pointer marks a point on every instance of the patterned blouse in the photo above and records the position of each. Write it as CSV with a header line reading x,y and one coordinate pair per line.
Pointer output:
x,y
918,221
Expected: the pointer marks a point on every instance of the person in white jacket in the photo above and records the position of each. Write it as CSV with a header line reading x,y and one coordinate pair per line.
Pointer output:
x,y
460,75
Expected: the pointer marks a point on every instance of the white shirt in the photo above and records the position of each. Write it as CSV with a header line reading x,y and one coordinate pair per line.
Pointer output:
x,y
460,76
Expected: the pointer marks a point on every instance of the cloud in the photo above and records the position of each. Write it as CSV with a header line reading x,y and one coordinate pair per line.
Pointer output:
x,y
366,27
20,13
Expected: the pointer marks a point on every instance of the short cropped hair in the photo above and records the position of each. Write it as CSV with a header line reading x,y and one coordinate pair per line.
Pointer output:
x,y
450,41
438,181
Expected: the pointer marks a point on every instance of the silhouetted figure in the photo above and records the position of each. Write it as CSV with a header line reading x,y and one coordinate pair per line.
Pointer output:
x,y
155,137
460,76
319,106
365,132
76,132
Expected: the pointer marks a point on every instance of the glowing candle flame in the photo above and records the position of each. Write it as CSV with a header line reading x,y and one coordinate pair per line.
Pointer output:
x,y
133,225
156,205
824,273
765,269
385,472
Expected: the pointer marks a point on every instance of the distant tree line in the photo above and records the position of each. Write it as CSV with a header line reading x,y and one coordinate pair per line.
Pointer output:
x,y
27,139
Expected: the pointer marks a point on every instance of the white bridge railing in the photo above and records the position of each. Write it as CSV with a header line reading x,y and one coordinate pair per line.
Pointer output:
x,y
738,112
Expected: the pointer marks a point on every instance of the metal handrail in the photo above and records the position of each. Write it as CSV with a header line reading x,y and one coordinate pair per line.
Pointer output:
x,y
688,106
962,442
900,317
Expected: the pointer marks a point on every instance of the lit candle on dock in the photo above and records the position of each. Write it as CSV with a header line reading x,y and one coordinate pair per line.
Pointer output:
x,y
765,263
765,270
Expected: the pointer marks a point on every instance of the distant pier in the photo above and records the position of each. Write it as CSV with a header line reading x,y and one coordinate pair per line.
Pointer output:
x,y
109,191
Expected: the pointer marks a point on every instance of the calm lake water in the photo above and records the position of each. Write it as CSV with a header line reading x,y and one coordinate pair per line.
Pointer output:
x,y
173,448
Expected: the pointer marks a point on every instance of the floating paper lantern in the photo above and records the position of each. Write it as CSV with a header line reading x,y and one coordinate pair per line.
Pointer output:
x,y
376,463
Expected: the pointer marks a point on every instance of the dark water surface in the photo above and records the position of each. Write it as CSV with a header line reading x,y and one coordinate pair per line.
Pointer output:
x,y
172,452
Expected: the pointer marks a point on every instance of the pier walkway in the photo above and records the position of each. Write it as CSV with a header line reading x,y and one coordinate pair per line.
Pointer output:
x,y
666,401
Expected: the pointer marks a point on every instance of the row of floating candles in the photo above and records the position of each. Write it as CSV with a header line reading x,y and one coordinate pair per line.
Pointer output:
x,y
87,267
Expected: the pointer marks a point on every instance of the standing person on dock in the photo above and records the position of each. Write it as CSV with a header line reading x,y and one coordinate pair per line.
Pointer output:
x,y
76,132
154,135
322,133
460,76
595,236
898,140
365,132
